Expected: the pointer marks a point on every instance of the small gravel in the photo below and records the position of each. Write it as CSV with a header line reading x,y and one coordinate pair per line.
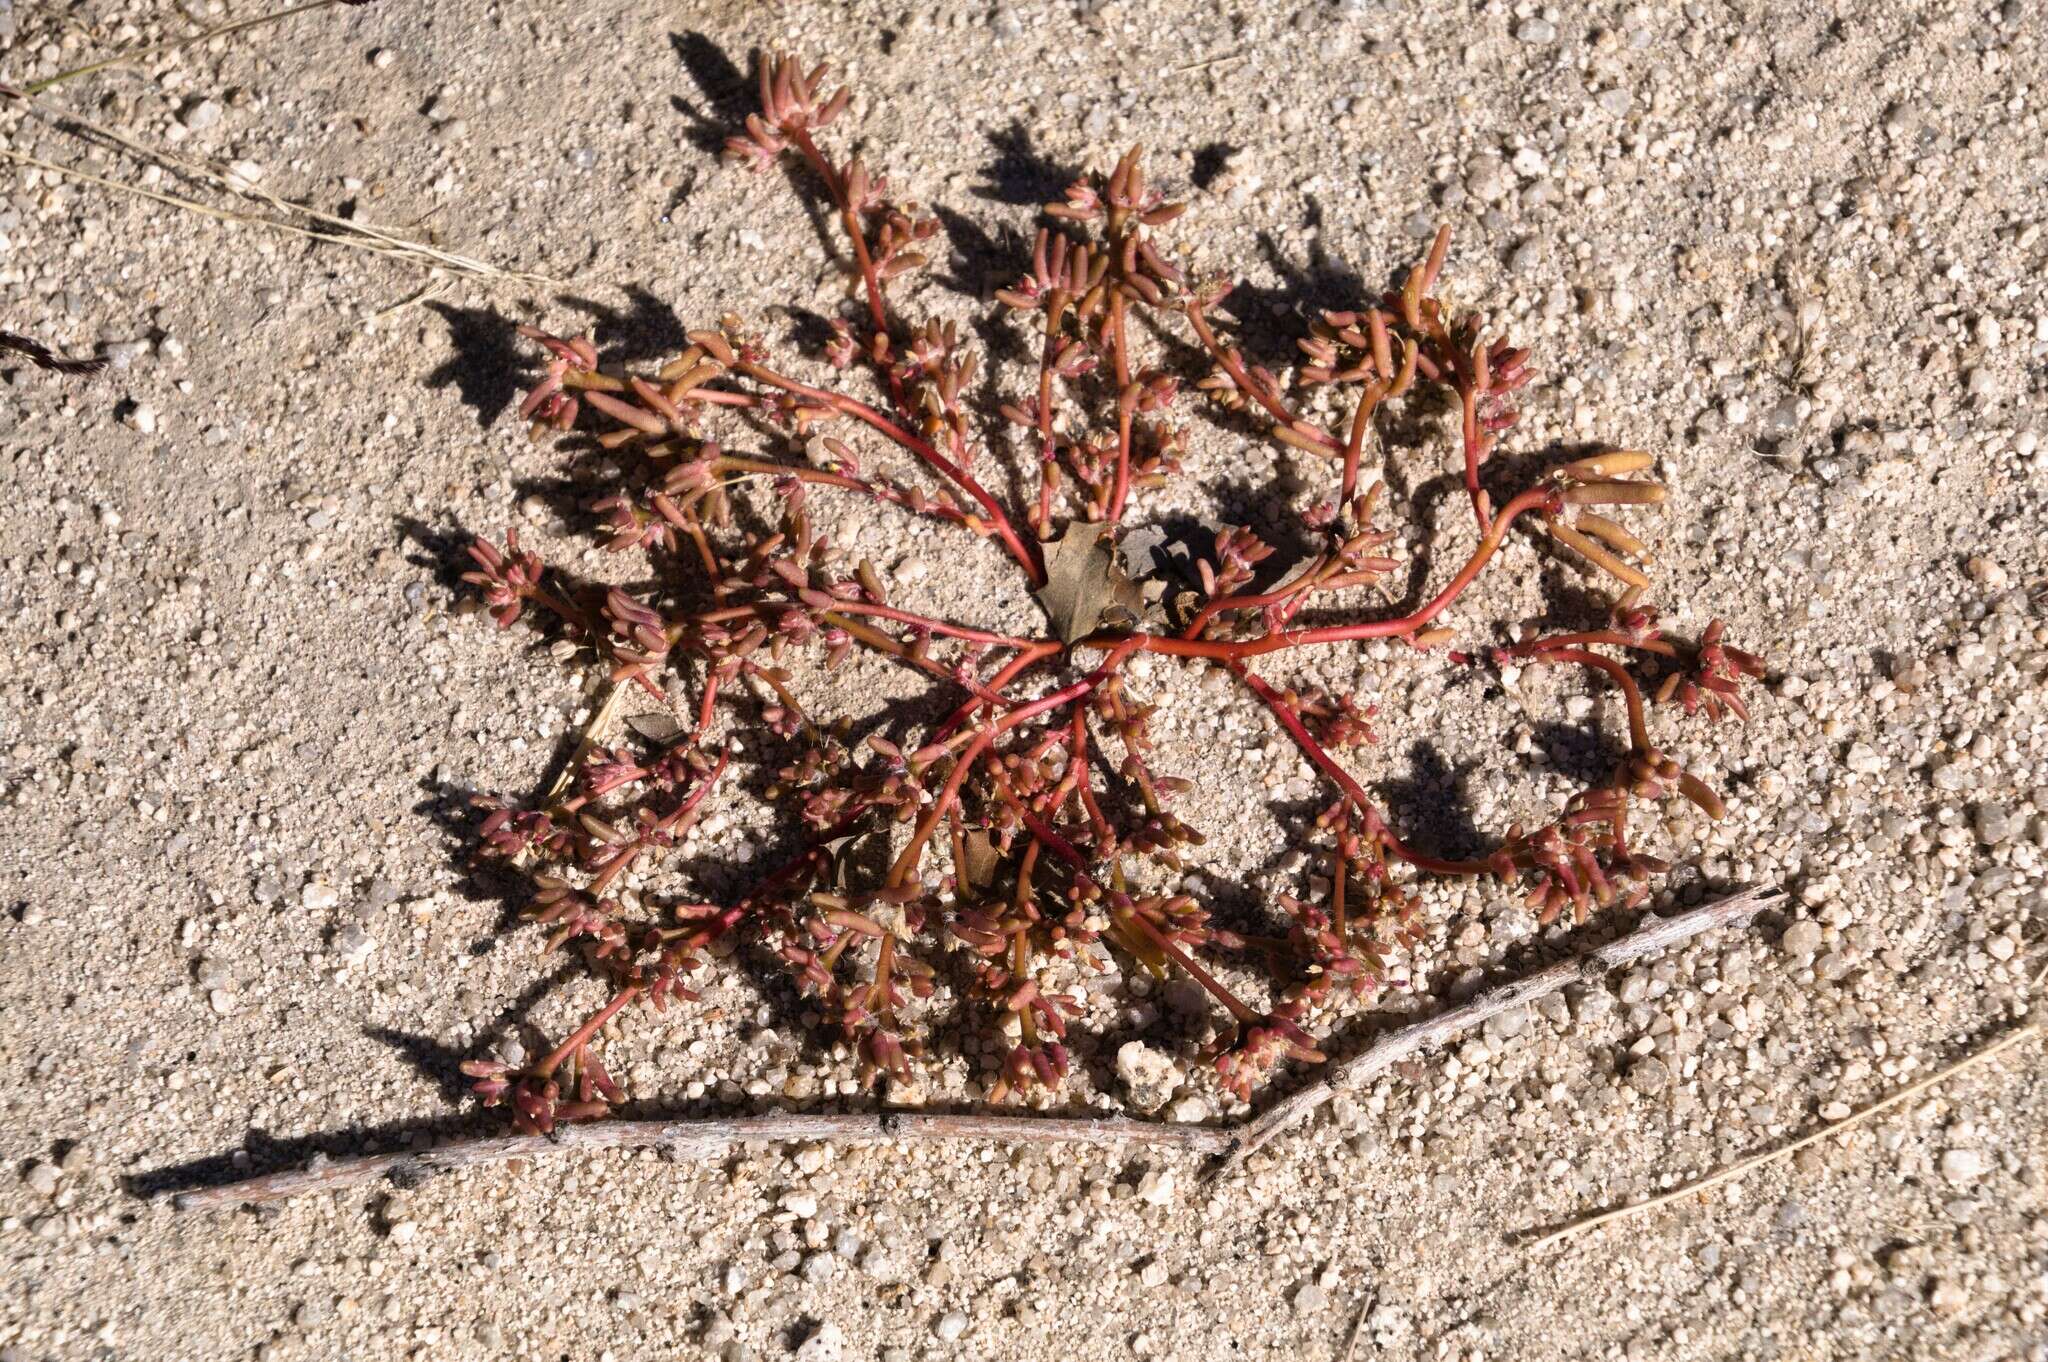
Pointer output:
x,y
1649,1076
1795,255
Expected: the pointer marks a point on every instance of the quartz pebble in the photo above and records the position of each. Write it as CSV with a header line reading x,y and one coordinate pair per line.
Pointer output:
x,y
826,1343
1149,1078
1801,939
1649,1075
1962,1165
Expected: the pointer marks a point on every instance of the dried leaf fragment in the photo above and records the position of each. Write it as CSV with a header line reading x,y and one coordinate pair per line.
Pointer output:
x,y
981,859
1085,583
662,729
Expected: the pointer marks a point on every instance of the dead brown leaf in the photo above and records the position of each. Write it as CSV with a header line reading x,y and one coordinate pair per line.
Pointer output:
x,y
1085,583
664,730
981,858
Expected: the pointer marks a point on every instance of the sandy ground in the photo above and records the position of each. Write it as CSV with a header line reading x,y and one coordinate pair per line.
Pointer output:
x,y
1796,249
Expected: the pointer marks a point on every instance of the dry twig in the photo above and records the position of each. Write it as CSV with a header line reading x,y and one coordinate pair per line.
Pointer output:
x,y
1652,938
701,1140
707,1139
595,734
1737,1169
1358,1325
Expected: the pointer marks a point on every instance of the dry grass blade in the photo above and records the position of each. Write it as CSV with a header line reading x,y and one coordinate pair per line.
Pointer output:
x,y
379,243
1737,1169
359,235
173,44
594,733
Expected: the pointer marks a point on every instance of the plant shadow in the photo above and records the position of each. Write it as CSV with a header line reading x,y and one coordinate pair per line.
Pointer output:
x,y
488,367
1431,806
646,330
725,88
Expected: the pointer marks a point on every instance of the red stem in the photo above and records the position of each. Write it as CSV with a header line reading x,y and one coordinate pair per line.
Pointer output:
x,y
944,803
1251,387
1285,592
1638,730
871,282
1025,552
1612,638
583,1033
1126,407
1376,826
1007,673
1079,765
888,612
1535,499
1064,849
1361,421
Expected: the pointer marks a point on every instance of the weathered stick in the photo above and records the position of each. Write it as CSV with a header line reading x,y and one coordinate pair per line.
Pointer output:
x,y
702,1140
708,1139
1786,1151
1654,936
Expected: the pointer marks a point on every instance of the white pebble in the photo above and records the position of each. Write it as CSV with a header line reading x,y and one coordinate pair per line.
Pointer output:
x,y
1157,1187
1149,1077
1962,1165
202,115
1801,938
826,1344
